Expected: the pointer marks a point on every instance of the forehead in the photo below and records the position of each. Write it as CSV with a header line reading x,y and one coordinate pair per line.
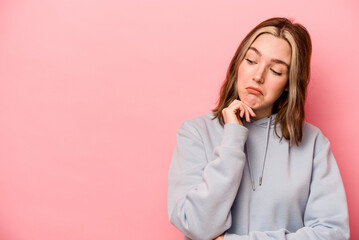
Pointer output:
x,y
272,47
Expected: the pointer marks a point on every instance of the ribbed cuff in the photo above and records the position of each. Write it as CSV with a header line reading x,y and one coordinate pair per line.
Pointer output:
x,y
234,135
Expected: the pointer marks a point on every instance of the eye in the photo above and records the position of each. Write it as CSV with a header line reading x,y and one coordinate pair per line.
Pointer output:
x,y
276,73
250,61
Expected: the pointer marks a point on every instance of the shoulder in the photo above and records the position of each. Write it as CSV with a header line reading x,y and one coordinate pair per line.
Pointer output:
x,y
313,137
201,125
311,131
200,121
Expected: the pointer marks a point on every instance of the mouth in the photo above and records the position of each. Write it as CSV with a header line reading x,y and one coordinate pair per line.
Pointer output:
x,y
255,91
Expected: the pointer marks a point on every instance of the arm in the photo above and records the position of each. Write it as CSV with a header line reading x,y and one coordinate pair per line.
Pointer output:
x,y
201,191
326,213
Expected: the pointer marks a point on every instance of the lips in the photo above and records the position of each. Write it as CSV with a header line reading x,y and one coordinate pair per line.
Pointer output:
x,y
254,90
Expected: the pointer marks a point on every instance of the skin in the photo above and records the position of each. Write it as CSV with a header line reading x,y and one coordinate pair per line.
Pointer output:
x,y
265,68
219,237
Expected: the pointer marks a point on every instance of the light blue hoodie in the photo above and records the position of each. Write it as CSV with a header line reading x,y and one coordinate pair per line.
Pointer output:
x,y
214,183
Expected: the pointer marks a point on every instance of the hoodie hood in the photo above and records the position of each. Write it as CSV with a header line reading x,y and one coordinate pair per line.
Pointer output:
x,y
263,122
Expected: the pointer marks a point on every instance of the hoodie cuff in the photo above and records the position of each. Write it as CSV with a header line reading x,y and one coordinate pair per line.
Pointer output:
x,y
234,135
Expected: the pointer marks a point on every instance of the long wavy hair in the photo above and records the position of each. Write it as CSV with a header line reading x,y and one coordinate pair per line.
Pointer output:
x,y
290,105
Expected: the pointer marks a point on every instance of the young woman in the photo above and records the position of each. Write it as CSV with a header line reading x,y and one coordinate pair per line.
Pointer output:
x,y
253,169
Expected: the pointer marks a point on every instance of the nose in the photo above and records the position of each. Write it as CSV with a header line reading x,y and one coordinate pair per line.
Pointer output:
x,y
258,78
259,75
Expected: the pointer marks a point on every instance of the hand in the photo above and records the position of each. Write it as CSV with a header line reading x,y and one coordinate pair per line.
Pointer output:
x,y
221,237
237,110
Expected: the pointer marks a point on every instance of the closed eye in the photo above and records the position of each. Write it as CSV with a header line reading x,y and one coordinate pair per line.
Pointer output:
x,y
250,61
276,73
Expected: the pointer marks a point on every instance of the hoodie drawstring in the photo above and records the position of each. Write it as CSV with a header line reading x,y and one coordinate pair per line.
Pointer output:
x,y
264,157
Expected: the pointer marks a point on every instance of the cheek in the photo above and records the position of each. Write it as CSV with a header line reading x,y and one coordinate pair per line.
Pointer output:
x,y
243,75
284,83
243,70
277,87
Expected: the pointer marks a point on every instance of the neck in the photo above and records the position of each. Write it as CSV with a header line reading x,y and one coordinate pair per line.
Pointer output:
x,y
261,114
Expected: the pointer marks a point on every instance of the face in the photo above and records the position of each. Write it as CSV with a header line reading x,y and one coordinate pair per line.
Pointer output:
x,y
263,73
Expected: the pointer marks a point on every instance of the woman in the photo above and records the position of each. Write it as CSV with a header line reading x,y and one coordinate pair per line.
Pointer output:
x,y
253,169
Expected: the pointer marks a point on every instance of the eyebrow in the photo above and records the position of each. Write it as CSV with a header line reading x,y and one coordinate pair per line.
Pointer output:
x,y
273,59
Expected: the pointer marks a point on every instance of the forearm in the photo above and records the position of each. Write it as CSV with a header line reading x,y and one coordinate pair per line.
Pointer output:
x,y
305,233
200,198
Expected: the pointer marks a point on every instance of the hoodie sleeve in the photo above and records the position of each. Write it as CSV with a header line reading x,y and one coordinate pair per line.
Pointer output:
x,y
201,191
326,213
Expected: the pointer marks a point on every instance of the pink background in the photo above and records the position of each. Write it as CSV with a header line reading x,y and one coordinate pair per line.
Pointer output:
x,y
93,92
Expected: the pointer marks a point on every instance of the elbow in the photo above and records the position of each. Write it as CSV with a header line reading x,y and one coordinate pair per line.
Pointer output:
x,y
199,229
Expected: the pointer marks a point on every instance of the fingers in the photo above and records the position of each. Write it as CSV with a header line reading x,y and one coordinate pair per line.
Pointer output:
x,y
236,111
250,111
242,110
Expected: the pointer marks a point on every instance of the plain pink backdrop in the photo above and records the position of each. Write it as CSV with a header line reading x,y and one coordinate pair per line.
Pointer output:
x,y
93,92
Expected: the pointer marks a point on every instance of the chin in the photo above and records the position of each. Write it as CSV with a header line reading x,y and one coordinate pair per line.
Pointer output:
x,y
252,101
251,104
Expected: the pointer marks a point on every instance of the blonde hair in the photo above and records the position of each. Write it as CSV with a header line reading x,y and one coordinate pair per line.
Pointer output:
x,y
290,105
